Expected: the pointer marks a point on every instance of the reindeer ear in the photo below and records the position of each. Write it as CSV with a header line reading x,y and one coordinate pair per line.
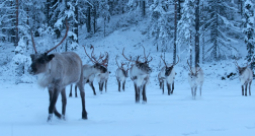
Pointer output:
x,y
50,57
189,74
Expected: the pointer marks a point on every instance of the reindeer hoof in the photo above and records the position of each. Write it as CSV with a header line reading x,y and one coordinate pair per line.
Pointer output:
x,y
49,117
63,117
84,115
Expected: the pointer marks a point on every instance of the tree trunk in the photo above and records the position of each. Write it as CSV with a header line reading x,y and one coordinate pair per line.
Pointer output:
x,y
179,9
143,8
17,24
76,24
197,35
104,26
190,50
48,12
203,50
175,31
95,18
88,20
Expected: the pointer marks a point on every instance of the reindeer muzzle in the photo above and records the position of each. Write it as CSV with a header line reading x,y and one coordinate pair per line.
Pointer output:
x,y
30,71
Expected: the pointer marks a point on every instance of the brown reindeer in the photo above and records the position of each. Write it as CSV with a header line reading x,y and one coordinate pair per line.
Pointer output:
x,y
91,71
167,73
245,76
121,74
139,74
56,71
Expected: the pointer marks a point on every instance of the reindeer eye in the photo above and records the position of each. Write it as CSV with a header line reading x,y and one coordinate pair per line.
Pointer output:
x,y
41,60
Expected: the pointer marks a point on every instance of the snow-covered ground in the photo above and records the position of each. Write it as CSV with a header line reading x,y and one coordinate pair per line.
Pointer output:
x,y
220,111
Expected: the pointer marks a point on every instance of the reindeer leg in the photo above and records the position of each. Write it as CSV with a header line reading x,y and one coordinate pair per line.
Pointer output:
x,y
242,90
168,88
250,88
163,86
200,90
55,111
137,93
192,92
246,89
92,86
118,85
144,93
101,85
53,103
172,88
63,94
195,91
82,93
105,85
123,85
160,84
76,91
71,86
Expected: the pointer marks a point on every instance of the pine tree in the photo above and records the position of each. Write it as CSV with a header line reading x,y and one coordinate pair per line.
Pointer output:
x,y
249,29
161,24
221,27
197,35
186,29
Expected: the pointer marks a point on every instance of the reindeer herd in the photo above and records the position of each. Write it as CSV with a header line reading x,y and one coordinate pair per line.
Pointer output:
x,y
57,70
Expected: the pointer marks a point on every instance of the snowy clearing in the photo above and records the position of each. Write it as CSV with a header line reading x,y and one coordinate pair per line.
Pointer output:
x,y
220,111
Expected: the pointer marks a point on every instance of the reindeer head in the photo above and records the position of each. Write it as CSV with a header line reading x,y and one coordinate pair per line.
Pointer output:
x,y
170,67
39,63
144,66
193,74
41,60
124,71
101,67
242,69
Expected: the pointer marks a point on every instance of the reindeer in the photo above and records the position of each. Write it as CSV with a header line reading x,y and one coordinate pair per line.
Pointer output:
x,y
167,73
102,78
139,74
55,71
121,74
90,72
195,78
245,76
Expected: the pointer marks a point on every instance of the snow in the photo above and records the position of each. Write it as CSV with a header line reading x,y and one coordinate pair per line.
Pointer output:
x,y
221,110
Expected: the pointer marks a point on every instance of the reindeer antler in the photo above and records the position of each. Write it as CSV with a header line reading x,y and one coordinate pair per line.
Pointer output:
x,y
189,67
146,57
105,61
32,37
163,59
67,28
236,63
117,62
126,57
88,55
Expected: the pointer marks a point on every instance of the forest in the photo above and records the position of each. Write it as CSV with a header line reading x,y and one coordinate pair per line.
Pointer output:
x,y
205,30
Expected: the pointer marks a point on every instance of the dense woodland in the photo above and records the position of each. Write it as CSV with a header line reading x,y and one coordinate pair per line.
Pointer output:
x,y
206,30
